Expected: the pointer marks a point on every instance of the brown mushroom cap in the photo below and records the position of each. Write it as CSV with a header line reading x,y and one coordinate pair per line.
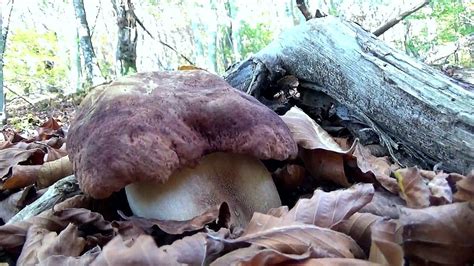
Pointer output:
x,y
146,126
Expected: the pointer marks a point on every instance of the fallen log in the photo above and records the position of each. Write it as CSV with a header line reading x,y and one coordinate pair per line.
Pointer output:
x,y
409,104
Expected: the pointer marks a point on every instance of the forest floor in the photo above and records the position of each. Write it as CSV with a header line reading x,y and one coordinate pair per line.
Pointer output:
x,y
26,114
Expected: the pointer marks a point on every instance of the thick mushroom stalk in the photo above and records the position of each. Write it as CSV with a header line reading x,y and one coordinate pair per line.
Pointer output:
x,y
240,180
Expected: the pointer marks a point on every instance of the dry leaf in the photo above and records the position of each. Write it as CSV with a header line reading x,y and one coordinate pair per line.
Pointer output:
x,y
142,251
197,249
12,156
290,176
384,204
43,175
325,165
413,188
358,226
179,227
385,248
334,262
296,238
85,218
255,255
22,176
464,187
41,244
54,154
322,156
307,133
278,212
326,209
12,236
441,192
439,234
84,259
380,167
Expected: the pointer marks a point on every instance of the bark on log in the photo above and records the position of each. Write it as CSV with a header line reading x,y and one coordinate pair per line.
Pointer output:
x,y
414,104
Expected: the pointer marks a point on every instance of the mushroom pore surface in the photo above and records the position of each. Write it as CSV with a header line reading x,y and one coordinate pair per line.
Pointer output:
x,y
242,181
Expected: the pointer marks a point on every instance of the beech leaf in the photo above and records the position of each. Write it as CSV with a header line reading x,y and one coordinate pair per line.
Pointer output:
x,y
384,204
464,187
255,255
385,247
439,234
358,226
12,156
296,238
413,188
326,209
220,214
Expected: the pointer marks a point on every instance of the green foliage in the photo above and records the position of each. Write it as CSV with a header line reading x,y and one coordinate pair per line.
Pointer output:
x,y
254,38
453,21
31,62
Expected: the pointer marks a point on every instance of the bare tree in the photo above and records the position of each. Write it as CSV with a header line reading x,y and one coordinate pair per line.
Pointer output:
x,y
3,43
93,74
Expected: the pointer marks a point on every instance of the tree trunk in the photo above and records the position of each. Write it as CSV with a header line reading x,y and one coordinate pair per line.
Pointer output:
x,y
93,75
126,53
408,102
4,27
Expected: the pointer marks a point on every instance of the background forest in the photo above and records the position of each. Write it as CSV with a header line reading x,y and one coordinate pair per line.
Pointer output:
x,y
45,52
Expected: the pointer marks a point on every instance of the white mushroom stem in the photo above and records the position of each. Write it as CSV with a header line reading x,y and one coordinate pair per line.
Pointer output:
x,y
241,181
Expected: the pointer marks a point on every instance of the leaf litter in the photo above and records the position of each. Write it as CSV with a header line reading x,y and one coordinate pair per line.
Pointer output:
x,y
364,210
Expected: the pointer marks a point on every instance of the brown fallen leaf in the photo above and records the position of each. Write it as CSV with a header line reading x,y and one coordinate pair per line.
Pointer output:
x,y
84,259
41,175
12,156
322,156
278,212
179,227
385,248
439,234
358,226
85,218
413,188
441,192
198,249
326,209
22,176
325,165
12,236
384,204
41,244
54,154
49,129
296,238
379,167
307,133
290,176
255,255
334,262
464,187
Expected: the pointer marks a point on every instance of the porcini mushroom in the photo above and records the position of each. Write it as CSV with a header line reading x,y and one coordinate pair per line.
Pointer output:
x,y
180,143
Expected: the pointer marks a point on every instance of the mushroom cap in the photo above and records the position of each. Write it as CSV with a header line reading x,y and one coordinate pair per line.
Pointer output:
x,y
145,126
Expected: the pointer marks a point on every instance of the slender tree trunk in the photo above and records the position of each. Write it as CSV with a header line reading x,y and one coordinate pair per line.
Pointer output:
x,y
234,30
126,53
212,40
93,75
4,27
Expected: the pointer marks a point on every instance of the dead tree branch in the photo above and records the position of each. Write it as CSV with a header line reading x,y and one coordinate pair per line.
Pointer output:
x,y
394,21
